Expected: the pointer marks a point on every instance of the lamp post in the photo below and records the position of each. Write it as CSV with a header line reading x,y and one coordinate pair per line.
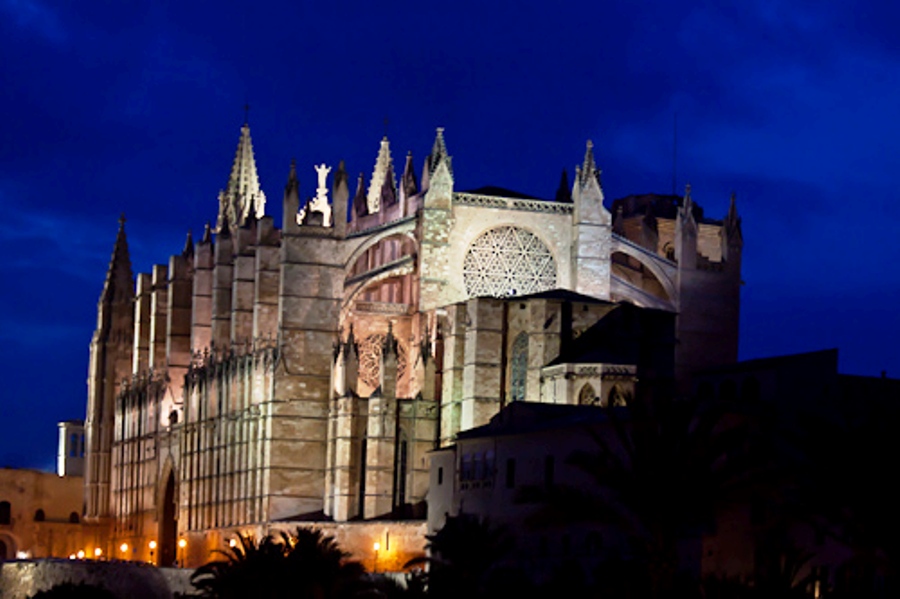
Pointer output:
x,y
376,546
98,553
152,545
124,549
182,543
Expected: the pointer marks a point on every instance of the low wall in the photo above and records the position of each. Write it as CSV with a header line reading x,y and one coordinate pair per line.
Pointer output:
x,y
21,579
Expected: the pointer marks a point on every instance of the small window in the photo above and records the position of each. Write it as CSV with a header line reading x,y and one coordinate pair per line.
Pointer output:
x,y
73,445
440,476
5,515
39,516
73,518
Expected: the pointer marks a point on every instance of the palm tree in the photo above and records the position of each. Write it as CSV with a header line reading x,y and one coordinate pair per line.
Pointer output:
x,y
466,558
308,564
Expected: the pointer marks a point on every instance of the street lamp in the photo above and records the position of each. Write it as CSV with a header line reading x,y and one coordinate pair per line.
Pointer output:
x,y
376,546
182,543
80,554
152,545
124,549
97,552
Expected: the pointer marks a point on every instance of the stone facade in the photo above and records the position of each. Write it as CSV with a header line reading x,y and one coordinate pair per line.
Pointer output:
x,y
40,514
303,374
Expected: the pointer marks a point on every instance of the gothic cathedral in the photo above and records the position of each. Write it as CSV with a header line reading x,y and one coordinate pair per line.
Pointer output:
x,y
266,377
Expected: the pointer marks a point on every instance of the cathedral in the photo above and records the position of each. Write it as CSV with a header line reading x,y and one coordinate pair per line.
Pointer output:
x,y
267,377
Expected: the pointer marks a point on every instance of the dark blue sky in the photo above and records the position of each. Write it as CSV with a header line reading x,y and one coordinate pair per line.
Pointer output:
x,y
136,107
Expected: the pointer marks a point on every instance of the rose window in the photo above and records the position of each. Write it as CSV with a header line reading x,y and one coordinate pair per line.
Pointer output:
x,y
508,261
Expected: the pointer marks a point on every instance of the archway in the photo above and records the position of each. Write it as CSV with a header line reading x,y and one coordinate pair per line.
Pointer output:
x,y
168,523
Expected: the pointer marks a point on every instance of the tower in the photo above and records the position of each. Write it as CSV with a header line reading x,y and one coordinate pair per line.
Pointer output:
x,y
109,365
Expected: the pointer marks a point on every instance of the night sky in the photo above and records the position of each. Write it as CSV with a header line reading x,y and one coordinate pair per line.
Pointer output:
x,y
136,107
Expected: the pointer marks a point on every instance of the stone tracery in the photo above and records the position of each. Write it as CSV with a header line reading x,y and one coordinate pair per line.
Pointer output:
x,y
507,261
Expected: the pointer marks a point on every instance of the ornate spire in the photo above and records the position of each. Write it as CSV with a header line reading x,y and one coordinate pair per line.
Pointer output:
x,y
589,166
439,153
242,194
207,234
408,181
382,176
119,284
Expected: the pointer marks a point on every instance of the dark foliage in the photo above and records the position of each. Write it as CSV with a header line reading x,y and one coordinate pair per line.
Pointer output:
x,y
307,564
467,559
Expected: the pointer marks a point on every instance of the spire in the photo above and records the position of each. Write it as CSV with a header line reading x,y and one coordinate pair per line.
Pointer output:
x,y
439,153
207,234
242,193
562,193
119,284
589,166
360,207
382,176
732,224
389,188
188,245
408,182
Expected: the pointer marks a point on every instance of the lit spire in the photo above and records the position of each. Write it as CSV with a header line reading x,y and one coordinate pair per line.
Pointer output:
x,y
439,153
242,192
382,177
119,284
589,167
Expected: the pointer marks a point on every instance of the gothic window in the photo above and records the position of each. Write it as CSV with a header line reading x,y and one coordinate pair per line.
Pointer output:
x,y
4,512
519,367
39,516
616,397
73,518
370,360
507,261
587,396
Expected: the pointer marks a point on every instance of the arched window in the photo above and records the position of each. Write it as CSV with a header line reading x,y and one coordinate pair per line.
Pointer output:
x,y
587,396
39,516
4,512
73,518
616,397
519,367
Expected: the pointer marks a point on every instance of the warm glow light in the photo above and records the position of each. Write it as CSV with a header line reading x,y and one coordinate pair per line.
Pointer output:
x,y
152,545
232,543
376,546
182,543
97,552
71,556
80,554
123,547
21,554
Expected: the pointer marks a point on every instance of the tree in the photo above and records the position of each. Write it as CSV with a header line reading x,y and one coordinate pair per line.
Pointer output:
x,y
307,564
466,558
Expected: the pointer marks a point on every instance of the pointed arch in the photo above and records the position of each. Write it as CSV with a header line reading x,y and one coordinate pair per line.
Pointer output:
x,y
588,396
167,510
